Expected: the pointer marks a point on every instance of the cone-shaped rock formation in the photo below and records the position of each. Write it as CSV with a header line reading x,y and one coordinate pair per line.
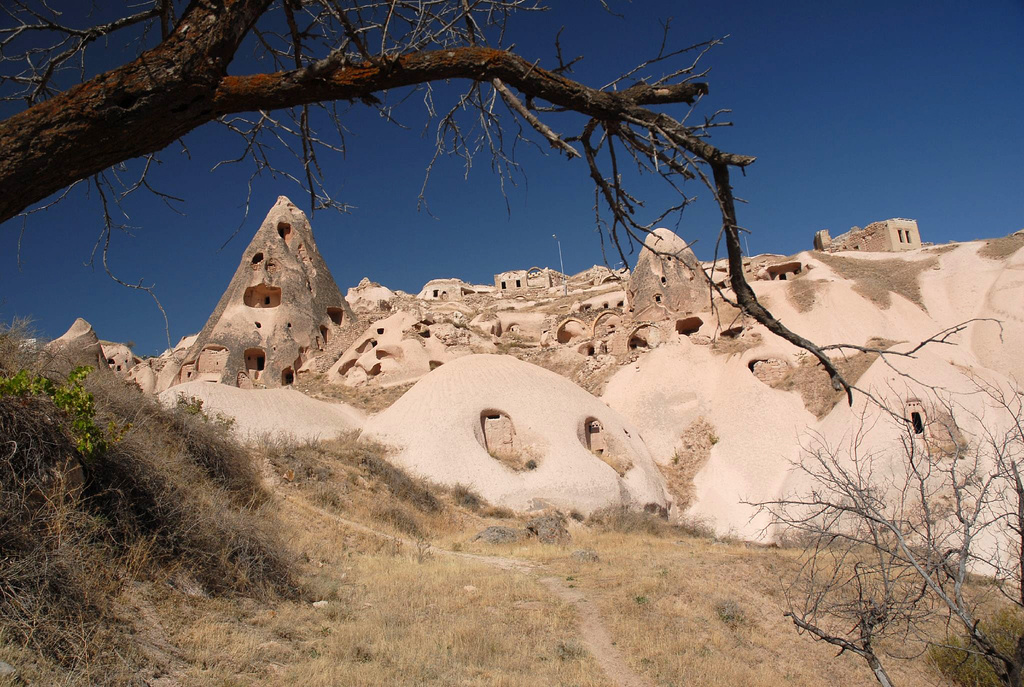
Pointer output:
x,y
280,309
79,345
667,280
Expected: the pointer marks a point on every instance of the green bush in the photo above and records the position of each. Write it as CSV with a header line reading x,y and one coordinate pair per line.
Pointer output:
x,y
966,668
73,399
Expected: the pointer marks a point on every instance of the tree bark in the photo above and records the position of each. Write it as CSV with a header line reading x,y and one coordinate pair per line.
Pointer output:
x,y
132,110
145,105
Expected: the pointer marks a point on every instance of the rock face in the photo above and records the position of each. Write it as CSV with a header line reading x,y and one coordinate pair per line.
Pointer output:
x,y
395,350
78,346
369,296
497,534
270,412
549,529
119,357
667,280
522,436
280,309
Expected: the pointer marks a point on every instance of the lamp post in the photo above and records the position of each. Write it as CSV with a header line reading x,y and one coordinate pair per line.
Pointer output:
x,y
561,266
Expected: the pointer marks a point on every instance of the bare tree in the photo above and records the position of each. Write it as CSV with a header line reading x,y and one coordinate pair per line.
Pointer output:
x,y
317,54
893,537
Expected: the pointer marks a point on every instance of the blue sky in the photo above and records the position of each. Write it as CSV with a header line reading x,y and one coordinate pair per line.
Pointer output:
x,y
856,112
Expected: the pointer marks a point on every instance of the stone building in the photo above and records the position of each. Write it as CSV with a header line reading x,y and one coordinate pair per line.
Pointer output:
x,y
450,290
279,311
515,281
891,235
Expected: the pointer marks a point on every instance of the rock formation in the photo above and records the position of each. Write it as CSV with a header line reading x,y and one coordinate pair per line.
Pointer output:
x,y
396,350
668,280
280,310
522,436
78,346
688,385
119,357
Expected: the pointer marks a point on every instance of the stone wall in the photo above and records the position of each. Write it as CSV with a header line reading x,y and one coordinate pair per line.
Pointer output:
x,y
891,235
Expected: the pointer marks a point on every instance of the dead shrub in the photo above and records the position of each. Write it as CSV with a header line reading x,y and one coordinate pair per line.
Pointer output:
x,y
204,444
372,457
398,517
328,497
730,613
498,512
803,293
626,521
165,497
18,350
963,665
302,461
623,520
467,497
814,385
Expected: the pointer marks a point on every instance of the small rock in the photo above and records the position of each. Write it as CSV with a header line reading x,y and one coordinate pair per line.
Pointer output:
x,y
496,534
319,604
549,529
585,556
7,669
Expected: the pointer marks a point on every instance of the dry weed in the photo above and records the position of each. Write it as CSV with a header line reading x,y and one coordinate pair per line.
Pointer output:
x,y
876,280
813,384
803,293
370,397
694,450
701,611
166,498
1000,249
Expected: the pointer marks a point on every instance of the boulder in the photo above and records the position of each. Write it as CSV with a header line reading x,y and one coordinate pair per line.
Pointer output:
x,y
549,529
496,534
585,556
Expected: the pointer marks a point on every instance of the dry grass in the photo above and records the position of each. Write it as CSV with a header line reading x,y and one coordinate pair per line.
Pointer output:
x,y
942,250
693,452
814,385
388,612
732,344
518,460
169,502
619,520
617,463
370,398
699,611
391,618
803,293
999,249
876,280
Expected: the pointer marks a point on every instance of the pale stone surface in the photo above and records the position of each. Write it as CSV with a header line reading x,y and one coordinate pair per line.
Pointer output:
x,y
761,430
442,431
119,357
272,412
667,279
667,359
396,350
368,295
78,346
280,310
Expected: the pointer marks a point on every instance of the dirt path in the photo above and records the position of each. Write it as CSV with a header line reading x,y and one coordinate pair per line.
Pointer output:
x,y
595,634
